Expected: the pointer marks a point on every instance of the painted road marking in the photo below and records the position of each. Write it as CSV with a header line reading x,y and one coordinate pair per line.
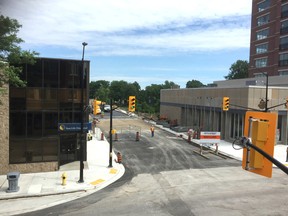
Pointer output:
x,y
97,182
113,171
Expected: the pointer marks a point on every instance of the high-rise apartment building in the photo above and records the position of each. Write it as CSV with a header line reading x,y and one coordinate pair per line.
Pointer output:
x,y
269,38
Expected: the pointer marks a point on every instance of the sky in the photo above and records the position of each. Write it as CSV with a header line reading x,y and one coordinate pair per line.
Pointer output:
x,y
147,41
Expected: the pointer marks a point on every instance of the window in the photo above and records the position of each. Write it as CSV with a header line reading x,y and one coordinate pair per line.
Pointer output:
x,y
283,73
283,43
260,75
263,5
284,11
284,27
262,62
283,59
263,20
262,34
262,48
34,74
51,73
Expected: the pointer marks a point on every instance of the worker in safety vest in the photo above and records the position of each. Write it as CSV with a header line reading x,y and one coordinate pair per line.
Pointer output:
x,y
152,131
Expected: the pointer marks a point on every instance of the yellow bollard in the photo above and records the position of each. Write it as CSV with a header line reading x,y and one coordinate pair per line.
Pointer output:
x,y
64,178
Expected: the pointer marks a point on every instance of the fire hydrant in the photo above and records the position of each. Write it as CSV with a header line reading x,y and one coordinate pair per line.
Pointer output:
x,y
64,178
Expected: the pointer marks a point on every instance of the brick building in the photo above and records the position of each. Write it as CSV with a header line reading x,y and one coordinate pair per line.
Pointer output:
x,y
269,38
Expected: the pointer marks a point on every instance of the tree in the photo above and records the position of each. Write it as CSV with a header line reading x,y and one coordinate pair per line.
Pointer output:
x,y
170,85
99,89
194,84
238,70
11,55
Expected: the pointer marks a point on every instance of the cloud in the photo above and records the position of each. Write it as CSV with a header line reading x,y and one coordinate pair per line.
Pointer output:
x,y
133,27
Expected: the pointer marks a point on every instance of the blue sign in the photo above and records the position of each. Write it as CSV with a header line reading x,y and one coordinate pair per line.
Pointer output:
x,y
74,127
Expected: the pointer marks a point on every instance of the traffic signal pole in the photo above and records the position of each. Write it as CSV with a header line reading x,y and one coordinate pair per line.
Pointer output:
x,y
246,143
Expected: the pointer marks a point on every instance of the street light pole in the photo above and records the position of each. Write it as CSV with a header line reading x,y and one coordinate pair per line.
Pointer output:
x,y
81,179
110,135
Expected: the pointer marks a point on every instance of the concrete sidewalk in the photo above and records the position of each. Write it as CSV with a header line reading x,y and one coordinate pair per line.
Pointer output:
x,y
43,185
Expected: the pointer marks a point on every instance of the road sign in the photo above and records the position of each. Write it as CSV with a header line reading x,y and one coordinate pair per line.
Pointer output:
x,y
74,127
209,137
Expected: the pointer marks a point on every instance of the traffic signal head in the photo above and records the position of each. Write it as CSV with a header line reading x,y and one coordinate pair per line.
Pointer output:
x,y
261,128
225,104
132,104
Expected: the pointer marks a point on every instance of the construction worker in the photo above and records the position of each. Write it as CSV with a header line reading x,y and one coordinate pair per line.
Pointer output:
x,y
152,131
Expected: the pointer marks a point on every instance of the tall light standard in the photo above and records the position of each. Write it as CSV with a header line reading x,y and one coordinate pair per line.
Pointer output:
x,y
81,179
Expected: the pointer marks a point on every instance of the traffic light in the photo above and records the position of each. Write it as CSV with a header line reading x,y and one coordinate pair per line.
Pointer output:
x,y
96,107
225,104
132,105
261,126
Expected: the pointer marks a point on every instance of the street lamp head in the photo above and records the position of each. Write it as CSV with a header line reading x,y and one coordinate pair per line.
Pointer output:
x,y
84,44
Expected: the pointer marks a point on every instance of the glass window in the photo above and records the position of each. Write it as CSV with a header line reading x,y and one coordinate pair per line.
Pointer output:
x,y
263,5
262,34
34,98
34,150
284,11
261,62
70,74
51,123
284,27
262,48
17,98
34,124
260,75
17,148
34,74
51,73
50,99
283,43
263,20
17,124
283,73
283,59
50,152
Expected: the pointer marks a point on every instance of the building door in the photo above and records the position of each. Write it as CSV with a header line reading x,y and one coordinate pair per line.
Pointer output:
x,y
68,148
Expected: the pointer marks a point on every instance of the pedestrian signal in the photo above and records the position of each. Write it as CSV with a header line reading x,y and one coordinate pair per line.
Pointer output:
x,y
225,104
132,104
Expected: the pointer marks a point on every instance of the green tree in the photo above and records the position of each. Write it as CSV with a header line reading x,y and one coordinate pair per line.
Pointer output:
x,y
238,70
194,84
170,85
99,89
11,55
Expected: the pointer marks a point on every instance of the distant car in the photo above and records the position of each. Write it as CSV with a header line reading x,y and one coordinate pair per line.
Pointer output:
x,y
106,108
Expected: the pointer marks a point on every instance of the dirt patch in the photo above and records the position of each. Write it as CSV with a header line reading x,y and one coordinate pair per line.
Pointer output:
x,y
104,124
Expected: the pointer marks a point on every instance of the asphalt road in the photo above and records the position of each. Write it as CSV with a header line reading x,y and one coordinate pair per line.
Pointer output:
x,y
165,177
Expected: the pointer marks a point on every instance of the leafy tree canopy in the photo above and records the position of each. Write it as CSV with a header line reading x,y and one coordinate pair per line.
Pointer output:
x,y
194,84
238,70
11,55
